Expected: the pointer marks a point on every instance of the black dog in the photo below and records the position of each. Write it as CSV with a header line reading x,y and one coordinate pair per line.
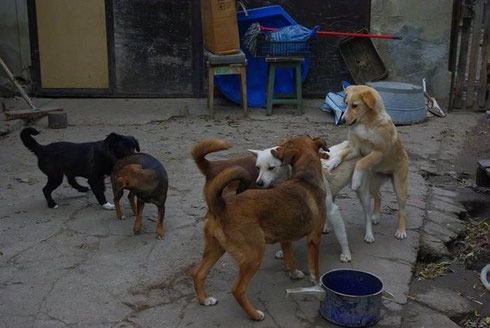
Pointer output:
x,y
91,160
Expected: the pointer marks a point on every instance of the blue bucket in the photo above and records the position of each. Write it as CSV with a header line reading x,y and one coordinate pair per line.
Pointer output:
x,y
404,102
229,85
352,297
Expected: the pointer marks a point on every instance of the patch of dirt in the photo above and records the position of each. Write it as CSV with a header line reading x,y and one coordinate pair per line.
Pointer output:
x,y
473,250
430,270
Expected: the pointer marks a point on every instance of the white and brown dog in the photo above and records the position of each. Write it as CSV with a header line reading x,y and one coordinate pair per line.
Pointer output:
x,y
272,173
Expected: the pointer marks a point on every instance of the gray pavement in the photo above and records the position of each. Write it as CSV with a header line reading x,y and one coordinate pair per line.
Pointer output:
x,y
77,266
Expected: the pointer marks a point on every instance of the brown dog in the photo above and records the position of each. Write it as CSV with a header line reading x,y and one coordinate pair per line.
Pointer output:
x,y
244,223
146,179
373,136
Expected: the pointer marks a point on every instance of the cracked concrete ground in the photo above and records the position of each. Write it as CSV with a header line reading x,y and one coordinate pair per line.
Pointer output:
x,y
77,266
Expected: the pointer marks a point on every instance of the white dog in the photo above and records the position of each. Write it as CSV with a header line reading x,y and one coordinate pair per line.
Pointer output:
x,y
272,173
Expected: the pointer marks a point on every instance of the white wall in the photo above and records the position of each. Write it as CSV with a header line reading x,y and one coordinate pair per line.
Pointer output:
x,y
424,51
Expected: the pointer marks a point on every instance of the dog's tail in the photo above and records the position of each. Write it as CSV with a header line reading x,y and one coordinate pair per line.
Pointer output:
x,y
201,149
28,141
214,197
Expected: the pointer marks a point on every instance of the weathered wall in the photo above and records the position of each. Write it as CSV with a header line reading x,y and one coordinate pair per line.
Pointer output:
x,y
14,38
424,50
425,26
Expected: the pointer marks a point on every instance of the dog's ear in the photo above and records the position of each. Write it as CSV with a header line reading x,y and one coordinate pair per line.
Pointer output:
x,y
136,144
368,98
112,136
324,155
254,152
133,168
289,157
110,139
276,153
122,182
320,143
346,93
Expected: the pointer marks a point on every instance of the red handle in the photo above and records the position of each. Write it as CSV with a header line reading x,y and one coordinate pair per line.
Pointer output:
x,y
359,35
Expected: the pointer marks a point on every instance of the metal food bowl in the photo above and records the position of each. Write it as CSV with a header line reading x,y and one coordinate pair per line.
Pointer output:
x,y
352,297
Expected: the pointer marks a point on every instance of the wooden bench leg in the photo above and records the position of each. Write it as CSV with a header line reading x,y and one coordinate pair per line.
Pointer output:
x,y
243,93
270,87
299,93
211,91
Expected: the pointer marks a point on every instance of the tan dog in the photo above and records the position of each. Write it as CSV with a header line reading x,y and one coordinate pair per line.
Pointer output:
x,y
244,223
146,179
373,136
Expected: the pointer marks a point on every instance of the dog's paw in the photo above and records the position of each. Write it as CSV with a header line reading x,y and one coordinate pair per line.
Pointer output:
x,y
279,255
400,234
314,280
296,275
260,316
210,301
345,257
375,218
52,205
161,237
55,206
333,163
109,206
369,238
356,179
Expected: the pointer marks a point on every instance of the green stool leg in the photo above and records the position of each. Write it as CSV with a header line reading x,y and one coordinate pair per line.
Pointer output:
x,y
270,87
299,95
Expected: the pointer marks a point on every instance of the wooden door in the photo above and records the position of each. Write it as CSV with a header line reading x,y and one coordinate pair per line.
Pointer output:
x,y
72,44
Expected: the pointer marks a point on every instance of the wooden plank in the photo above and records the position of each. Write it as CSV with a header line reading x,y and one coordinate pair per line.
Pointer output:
x,y
226,70
463,56
474,52
482,86
453,45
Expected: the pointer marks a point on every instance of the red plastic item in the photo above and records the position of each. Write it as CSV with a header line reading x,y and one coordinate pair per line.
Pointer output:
x,y
359,35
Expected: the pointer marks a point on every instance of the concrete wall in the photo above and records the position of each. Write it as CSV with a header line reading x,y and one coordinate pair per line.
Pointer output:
x,y
14,39
424,51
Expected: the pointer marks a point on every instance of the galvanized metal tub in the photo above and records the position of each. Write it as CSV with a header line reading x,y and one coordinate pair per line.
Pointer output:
x,y
404,102
352,297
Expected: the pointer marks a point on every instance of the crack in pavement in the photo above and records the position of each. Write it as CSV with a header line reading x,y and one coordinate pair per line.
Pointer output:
x,y
58,232
267,311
